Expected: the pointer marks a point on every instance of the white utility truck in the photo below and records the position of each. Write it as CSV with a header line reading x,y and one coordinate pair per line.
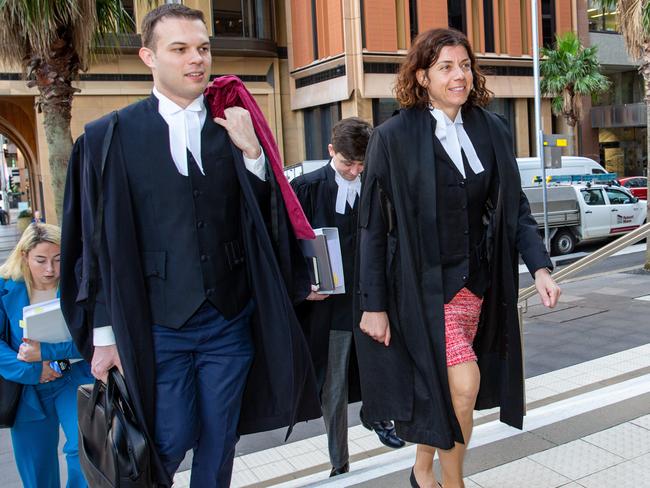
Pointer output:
x,y
585,211
530,169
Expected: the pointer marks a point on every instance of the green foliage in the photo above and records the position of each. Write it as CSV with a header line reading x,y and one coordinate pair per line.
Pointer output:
x,y
25,214
569,72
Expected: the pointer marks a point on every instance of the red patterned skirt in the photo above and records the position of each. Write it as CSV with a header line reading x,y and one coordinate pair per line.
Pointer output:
x,y
461,321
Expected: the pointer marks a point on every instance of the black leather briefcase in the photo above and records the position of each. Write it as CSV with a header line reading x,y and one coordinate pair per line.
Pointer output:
x,y
113,449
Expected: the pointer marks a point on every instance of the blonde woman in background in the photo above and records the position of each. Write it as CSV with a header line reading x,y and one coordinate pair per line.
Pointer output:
x,y
31,275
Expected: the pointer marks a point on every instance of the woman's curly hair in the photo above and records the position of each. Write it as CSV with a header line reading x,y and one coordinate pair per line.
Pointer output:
x,y
424,52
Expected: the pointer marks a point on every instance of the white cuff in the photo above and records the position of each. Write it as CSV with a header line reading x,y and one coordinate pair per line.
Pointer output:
x,y
103,336
257,166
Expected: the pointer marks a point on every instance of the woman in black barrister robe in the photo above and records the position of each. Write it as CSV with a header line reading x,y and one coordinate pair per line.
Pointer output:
x,y
443,219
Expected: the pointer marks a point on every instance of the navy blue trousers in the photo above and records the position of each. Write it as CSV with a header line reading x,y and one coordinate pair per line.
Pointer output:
x,y
201,372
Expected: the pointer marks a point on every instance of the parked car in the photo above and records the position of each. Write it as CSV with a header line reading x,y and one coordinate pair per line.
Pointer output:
x,y
585,212
638,185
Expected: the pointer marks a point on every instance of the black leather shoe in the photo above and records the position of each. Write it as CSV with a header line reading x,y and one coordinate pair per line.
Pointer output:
x,y
342,470
414,482
385,430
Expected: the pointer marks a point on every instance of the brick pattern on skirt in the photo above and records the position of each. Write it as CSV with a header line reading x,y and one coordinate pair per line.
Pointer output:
x,y
461,321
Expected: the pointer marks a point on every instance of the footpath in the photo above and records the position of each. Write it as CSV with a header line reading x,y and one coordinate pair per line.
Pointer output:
x,y
588,404
587,394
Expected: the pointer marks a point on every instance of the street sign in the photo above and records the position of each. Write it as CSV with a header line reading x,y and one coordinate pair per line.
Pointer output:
x,y
553,145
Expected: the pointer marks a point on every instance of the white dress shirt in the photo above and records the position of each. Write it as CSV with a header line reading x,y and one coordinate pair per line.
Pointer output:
x,y
185,126
453,138
347,190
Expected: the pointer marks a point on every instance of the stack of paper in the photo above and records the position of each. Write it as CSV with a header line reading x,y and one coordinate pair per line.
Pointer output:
x,y
44,322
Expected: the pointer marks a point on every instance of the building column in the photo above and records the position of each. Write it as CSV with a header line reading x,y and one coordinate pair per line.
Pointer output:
x,y
521,127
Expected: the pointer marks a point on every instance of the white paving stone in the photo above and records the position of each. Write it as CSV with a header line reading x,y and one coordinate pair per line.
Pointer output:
x,y
308,460
518,474
182,479
470,484
273,470
539,393
241,478
358,431
576,459
320,441
642,460
354,448
369,443
626,440
295,448
238,465
260,458
643,422
624,475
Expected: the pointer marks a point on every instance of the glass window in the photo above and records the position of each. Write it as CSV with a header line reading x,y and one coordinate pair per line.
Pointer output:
x,y
318,129
548,22
383,109
593,197
601,19
505,107
243,18
617,197
456,14
488,25
413,15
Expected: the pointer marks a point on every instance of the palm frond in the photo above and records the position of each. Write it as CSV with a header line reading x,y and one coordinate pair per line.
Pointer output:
x,y
570,71
634,19
31,26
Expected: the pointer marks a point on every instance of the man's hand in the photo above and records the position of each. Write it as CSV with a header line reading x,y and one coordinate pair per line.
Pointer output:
x,y
29,351
48,374
547,289
376,325
104,358
315,296
239,126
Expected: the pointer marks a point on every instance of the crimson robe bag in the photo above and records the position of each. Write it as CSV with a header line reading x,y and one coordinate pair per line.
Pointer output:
x,y
113,450
10,392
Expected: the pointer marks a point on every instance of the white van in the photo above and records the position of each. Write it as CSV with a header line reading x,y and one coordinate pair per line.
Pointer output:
x,y
529,168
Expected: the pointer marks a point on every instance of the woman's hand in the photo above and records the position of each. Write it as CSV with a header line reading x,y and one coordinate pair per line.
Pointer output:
x,y
29,351
376,325
48,374
547,289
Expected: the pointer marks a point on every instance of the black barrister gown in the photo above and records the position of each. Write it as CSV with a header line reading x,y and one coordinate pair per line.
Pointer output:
x,y
316,192
281,386
400,273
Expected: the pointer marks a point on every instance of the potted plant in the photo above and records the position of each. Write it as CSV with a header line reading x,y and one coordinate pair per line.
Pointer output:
x,y
24,219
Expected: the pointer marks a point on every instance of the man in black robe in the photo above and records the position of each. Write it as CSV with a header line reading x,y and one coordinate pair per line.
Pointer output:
x,y
169,273
329,196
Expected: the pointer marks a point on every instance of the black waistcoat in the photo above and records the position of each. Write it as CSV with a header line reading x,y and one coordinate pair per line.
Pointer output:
x,y
461,206
188,226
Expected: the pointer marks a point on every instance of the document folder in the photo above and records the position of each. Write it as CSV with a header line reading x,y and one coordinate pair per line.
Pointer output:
x,y
324,252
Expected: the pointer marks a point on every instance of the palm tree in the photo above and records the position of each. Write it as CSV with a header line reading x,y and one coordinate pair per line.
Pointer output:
x,y
570,71
634,24
52,40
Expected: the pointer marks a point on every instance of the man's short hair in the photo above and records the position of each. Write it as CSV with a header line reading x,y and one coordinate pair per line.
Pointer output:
x,y
350,138
169,10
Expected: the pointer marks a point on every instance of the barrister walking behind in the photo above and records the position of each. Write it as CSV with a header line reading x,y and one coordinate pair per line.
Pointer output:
x,y
330,198
192,303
